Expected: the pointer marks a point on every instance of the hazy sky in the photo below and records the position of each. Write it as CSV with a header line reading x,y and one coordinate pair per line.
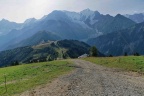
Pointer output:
x,y
19,10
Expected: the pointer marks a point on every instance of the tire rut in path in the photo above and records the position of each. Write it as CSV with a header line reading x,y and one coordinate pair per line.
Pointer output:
x,y
91,80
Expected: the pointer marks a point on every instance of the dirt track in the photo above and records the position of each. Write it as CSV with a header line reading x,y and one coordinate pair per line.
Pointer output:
x,y
92,80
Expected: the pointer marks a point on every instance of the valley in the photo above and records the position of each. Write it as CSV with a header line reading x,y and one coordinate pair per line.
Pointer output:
x,y
60,25
53,48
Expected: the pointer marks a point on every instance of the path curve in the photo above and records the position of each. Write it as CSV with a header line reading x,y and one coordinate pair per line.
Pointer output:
x,y
91,80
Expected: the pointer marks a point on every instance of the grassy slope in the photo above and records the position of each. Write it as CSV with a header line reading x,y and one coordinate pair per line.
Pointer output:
x,y
128,63
24,77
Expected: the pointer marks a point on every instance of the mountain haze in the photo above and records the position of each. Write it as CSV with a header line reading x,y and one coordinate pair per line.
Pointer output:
x,y
129,40
138,17
38,38
6,26
67,25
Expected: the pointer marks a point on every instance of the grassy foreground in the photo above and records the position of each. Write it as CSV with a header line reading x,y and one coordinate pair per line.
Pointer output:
x,y
24,77
128,63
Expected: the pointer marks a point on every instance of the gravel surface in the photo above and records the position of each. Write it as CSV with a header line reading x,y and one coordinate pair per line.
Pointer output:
x,y
92,80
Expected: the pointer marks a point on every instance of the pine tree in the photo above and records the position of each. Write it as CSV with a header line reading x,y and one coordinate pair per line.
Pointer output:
x,y
93,51
110,55
125,54
16,62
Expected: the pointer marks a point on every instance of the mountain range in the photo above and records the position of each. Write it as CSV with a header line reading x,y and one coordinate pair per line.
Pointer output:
x,y
6,26
129,40
110,34
66,25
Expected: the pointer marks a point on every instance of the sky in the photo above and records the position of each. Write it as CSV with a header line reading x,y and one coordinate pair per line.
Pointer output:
x,y
20,10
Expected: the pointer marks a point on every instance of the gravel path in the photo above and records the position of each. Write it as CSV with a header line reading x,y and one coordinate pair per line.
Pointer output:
x,y
92,80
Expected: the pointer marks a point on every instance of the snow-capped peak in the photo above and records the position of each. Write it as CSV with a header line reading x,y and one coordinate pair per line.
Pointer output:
x,y
127,15
87,12
73,15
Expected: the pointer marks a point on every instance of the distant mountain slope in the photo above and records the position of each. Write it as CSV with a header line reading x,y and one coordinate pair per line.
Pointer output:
x,y
68,25
130,40
38,38
6,26
46,51
139,17
108,24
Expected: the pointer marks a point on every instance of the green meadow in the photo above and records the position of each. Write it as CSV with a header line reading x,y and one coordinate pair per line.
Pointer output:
x,y
127,63
27,76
